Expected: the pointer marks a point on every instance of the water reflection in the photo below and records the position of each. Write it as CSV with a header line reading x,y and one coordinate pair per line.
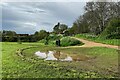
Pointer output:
x,y
57,55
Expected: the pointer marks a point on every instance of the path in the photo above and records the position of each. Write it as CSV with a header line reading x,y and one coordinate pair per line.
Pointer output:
x,y
94,44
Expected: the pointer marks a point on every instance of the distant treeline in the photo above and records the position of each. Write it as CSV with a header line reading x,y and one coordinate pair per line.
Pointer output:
x,y
12,36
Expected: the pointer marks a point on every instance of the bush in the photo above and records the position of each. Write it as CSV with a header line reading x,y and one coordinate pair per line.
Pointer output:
x,y
42,41
55,36
19,42
51,39
67,41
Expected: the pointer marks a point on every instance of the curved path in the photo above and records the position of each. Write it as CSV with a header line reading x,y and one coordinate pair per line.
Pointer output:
x,y
94,44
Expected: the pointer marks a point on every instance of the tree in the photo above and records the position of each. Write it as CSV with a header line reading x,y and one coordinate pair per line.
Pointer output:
x,y
96,17
75,28
100,13
9,36
112,29
56,28
62,28
8,33
59,28
81,25
41,35
0,36
0,33
66,33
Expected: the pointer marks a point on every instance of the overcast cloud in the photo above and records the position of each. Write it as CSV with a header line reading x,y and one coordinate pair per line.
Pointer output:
x,y
33,16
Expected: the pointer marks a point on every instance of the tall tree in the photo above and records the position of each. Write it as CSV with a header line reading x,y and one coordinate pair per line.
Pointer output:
x,y
100,13
42,34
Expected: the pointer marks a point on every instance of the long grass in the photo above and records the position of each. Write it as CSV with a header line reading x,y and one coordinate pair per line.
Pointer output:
x,y
97,39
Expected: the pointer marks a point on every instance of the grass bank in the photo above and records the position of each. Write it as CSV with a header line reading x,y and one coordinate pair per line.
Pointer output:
x,y
97,39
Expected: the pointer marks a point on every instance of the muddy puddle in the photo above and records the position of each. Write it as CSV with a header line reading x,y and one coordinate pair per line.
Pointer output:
x,y
57,55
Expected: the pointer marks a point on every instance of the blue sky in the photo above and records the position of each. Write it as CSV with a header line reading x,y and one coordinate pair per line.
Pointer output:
x,y
28,17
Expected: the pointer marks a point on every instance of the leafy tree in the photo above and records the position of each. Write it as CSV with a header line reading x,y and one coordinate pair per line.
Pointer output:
x,y
8,36
0,33
59,28
8,33
62,28
100,13
96,17
36,33
112,30
66,33
75,28
41,35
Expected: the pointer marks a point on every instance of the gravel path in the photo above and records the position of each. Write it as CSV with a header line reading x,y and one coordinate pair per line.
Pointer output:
x,y
94,44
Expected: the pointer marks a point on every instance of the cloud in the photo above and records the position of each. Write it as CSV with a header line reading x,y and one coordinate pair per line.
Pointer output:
x,y
28,17
20,27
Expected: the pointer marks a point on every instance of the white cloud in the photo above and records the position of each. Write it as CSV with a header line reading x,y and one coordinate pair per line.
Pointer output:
x,y
27,17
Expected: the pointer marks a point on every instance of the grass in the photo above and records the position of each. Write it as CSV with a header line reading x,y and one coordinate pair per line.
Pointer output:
x,y
13,66
97,39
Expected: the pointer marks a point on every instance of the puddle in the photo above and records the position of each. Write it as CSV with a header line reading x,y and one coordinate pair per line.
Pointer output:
x,y
57,55
68,58
41,54
50,56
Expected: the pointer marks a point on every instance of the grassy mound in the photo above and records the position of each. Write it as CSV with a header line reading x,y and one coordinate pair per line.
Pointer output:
x,y
98,39
67,41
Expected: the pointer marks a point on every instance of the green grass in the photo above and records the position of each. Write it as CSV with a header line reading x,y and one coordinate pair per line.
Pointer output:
x,y
97,39
13,66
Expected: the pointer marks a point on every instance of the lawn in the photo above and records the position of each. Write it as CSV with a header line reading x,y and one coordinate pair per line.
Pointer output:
x,y
103,62
97,39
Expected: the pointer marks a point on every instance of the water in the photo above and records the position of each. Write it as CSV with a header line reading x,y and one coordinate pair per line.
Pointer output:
x,y
57,55
50,56
41,54
68,58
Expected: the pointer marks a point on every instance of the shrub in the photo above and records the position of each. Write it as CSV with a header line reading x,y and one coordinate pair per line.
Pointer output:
x,y
55,36
19,42
67,41
51,39
42,41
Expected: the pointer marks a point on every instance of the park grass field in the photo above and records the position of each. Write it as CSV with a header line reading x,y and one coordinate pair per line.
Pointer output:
x,y
103,62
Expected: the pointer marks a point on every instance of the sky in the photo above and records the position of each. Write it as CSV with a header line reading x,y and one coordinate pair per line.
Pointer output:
x,y
28,17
